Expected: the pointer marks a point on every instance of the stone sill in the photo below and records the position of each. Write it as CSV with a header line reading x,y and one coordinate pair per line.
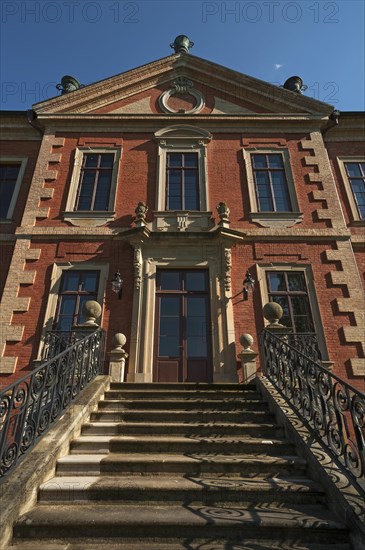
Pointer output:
x,y
88,218
276,219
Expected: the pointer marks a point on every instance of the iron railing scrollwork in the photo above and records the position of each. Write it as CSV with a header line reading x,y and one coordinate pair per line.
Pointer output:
x,y
30,405
306,343
333,410
57,341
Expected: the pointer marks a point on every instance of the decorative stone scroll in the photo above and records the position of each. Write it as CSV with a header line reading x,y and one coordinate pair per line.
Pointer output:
x,y
181,86
137,264
227,268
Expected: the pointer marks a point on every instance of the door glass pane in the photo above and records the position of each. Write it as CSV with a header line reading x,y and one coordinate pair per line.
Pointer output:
x,y
195,280
170,280
68,305
170,326
196,326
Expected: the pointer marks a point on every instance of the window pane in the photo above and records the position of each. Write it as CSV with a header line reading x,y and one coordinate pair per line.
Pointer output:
x,y
107,160
68,305
195,281
89,281
70,280
280,192
170,306
102,192
303,324
191,159
259,161
296,282
170,326
80,317
8,177
276,281
174,159
353,169
91,160
275,161
170,280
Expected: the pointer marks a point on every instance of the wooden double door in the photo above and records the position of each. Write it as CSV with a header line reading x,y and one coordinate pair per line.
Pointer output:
x,y
182,327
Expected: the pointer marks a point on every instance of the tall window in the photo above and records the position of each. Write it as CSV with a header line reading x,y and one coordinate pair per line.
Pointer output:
x,y
95,182
356,176
8,178
182,181
289,289
270,183
77,287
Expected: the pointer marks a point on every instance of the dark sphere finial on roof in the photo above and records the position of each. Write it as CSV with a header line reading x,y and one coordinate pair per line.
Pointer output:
x,y
69,84
295,84
182,44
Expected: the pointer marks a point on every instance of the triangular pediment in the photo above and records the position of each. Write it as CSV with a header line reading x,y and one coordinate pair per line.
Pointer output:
x,y
179,84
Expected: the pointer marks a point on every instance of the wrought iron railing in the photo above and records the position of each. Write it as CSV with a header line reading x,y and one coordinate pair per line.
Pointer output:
x,y
306,343
30,405
333,410
57,341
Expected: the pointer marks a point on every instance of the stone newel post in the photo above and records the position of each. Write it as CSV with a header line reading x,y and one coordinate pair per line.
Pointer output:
x,y
248,359
118,358
91,311
273,312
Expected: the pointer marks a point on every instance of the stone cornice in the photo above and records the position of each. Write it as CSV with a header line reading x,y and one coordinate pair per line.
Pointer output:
x,y
264,234
231,82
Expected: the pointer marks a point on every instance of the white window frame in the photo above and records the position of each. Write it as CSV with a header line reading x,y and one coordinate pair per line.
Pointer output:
x,y
23,163
182,139
356,218
262,269
91,217
271,219
56,277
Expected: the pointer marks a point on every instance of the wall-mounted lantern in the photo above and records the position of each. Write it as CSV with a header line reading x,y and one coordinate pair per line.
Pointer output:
x,y
248,284
117,285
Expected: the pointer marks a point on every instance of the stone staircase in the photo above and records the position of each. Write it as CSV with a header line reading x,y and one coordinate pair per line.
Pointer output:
x,y
179,467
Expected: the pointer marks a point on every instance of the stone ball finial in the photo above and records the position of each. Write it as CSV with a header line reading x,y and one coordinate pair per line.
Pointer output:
x,y
91,311
119,340
273,312
246,340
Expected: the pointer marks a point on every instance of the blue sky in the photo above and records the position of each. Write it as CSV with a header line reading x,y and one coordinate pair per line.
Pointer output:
x,y
321,41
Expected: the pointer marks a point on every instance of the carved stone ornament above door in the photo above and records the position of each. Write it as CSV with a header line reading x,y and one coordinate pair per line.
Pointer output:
x,y
176,99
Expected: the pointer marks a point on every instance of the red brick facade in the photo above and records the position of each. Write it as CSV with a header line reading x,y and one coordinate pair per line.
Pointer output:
x,y
242,116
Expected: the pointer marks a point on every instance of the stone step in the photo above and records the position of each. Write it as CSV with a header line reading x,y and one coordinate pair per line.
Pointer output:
x,y
176,444
182,386
152,489
195,404
156,523
187,394
182,544
182,428
182,416
124,464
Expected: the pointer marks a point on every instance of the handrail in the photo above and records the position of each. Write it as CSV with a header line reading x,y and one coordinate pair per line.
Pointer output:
x,y
334,410
30,405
